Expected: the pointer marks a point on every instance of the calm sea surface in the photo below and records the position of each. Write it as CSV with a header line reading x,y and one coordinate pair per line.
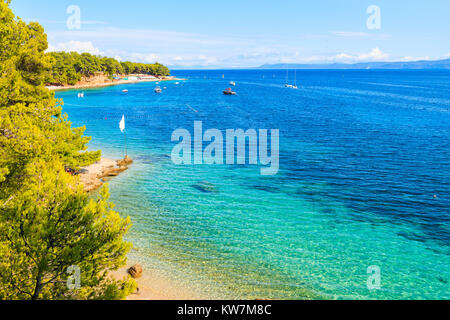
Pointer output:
x,y
364,181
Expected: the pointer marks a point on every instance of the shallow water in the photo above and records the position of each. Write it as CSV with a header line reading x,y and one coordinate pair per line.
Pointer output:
x,y
362,155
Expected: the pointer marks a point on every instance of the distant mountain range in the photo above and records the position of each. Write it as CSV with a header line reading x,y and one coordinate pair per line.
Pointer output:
x,y
424,64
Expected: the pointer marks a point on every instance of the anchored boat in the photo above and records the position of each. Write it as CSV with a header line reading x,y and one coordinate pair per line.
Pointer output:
x,y
228,92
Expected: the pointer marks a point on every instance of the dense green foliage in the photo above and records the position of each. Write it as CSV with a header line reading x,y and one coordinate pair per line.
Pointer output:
x,y
155,69
69,68
47,222
53,225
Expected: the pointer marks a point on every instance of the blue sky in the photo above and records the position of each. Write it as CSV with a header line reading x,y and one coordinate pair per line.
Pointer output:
x,y
246,33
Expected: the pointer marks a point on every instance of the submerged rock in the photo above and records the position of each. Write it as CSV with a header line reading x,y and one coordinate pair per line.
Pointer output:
x,y
205,186
266,188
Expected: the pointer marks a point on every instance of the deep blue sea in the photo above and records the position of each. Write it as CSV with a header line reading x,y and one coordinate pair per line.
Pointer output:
x,y
364,181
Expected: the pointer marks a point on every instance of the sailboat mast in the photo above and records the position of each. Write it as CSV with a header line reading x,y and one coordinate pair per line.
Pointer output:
x,y
126,151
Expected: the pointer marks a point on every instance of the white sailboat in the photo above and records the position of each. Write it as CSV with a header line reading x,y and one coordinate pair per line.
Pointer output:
x,y
122,129
287,85
295,80
292,86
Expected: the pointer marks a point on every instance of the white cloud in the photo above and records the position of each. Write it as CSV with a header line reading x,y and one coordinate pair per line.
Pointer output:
x,y
186,60
375,55
143,57
183,49
409,58
191,50
76,46
350,34
158,37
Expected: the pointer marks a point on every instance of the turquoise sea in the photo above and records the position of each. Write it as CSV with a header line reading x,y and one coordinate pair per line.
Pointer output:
x,y
364,180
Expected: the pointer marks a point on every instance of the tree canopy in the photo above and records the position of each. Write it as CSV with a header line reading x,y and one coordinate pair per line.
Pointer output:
x,y
47,223
70,67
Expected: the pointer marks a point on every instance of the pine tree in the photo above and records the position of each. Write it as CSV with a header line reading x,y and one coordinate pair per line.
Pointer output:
x,y
53,225
31,121
47,222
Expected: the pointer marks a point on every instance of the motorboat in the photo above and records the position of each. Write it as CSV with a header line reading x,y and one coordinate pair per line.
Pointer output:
x,y
229,92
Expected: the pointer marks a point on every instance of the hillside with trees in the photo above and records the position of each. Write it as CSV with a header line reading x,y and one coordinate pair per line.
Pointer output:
x,y
67,68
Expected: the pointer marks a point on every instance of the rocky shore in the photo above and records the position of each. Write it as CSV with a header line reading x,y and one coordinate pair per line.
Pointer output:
x,y
93,176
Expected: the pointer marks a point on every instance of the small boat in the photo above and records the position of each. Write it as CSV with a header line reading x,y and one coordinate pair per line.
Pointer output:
x,y
158,90
125,90
228,92
232,83
80,94
292,86
177,83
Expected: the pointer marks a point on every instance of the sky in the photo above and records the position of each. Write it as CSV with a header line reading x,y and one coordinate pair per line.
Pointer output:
x,y
245,33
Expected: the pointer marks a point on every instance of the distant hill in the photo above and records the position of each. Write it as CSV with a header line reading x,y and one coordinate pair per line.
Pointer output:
x,y
424,64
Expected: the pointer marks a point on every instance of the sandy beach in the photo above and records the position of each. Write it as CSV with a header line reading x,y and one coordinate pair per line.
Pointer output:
x,y
107,83
153,286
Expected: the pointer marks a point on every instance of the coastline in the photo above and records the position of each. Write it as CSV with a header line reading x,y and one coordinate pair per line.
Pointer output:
x,y
152,285
110,83
92,177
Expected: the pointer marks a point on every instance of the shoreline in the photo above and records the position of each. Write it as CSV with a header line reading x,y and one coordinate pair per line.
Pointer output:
x,y
153,284
93,176
108,84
